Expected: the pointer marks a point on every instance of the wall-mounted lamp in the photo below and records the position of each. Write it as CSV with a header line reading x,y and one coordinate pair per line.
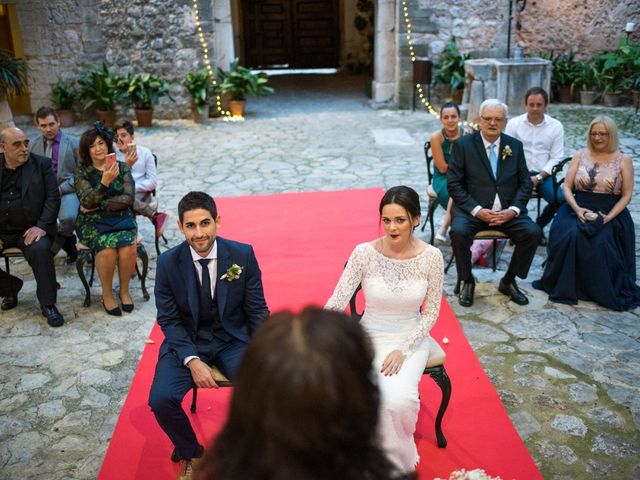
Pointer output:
x,y
628,28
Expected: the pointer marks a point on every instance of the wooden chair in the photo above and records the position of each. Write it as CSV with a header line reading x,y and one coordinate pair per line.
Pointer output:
x,y
86,256
431,194
434,368
222,381
154,222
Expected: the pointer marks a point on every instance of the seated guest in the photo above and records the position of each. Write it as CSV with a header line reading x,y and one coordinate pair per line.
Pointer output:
x,y
441,144
143,170
490,185
210,301
591,251
105,222
62,149
304,405
542,138
29,203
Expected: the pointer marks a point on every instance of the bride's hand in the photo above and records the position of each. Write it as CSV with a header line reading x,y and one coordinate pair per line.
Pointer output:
x,y
392,363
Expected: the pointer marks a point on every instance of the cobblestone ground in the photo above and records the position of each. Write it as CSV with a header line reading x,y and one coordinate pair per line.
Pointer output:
x,y
568,376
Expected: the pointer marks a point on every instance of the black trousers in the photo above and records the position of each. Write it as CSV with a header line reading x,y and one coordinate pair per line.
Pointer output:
x,y
40,258
522,230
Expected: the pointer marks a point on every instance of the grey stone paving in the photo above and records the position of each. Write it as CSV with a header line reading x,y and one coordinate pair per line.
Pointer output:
x,y
568,376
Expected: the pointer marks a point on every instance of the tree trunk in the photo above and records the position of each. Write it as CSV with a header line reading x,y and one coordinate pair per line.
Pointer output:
x,y
6,117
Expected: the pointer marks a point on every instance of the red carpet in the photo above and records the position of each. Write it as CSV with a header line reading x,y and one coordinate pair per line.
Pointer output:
x,y
302,241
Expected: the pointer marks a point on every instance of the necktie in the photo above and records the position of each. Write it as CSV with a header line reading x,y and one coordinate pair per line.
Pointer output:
x,y
48,152
493,159
205,286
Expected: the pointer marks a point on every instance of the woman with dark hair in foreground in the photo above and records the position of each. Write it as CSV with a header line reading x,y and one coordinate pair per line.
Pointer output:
x,y
305,405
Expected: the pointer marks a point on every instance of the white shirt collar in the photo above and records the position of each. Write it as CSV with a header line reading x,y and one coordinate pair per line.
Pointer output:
x,y
213,254
487,144
543,122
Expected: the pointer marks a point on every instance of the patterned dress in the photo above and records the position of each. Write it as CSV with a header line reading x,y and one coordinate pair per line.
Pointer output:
x,y
394,292
115,200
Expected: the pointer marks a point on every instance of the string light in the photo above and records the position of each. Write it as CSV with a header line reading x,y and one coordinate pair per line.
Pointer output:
x,y
412,55
207,62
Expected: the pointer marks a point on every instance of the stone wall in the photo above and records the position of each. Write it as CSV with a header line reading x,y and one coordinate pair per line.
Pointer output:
x,y
156,36
481,28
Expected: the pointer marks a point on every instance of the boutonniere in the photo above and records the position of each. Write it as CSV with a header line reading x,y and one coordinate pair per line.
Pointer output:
x,y
233,273
506,152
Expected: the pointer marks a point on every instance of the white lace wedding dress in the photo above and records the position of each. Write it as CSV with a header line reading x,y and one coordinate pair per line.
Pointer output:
x,y
394,291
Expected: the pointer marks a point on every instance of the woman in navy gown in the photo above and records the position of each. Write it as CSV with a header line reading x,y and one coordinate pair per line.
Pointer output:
x,y
591,250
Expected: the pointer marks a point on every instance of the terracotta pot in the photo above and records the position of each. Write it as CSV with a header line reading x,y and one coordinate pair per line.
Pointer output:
x,y
564,95
611,99
587,97
144,116
457,96
200,117
236,107
106,117
66,118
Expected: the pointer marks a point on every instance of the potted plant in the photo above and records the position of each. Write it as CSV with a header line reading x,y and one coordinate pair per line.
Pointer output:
x,y
103,90
64,96
565,71
450,70
198,84
240,82
13,81
145,89
586,82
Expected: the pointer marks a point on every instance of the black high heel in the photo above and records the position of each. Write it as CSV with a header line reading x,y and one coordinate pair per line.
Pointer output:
x,y
116,312
127,307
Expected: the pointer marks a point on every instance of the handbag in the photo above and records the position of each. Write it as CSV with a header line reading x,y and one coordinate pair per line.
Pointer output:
x,y
110,224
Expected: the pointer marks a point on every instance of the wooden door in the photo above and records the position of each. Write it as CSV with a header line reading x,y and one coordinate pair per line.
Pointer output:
x,y
291,33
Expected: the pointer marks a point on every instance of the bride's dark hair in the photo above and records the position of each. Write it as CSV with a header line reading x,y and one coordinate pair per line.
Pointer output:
x,y
404,196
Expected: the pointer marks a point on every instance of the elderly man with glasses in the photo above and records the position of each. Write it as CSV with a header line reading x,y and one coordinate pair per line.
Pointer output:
x,y
489,182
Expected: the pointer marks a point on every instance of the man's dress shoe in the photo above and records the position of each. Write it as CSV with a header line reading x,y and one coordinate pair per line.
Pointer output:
x,y
11,301
512,291
466,294
54,317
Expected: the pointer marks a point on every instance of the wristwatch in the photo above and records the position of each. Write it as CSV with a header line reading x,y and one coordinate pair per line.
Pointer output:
x,y
539,177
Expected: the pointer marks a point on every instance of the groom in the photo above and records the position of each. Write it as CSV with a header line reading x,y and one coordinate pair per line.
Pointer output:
x,y
210,301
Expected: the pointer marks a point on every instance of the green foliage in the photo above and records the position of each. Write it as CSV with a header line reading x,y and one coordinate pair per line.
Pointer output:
x,y
101,88
145,89
64,95
13,74
565,70
240,82
198,84
620,69
451,67
587,77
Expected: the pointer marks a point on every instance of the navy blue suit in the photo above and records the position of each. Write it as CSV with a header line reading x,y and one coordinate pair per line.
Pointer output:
x,y
241,308
470,182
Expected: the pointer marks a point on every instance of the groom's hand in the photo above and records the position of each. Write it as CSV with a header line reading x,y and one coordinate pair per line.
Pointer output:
x,y
201,374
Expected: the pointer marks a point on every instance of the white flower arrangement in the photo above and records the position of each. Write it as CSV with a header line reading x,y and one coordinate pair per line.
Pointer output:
x,y
233,273
463,474
506,152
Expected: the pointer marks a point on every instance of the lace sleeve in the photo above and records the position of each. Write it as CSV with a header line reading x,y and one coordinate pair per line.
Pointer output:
x,y
89,196
431,305
349,280
123,200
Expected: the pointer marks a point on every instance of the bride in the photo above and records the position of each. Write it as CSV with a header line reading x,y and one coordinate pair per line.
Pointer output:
x,y
399,273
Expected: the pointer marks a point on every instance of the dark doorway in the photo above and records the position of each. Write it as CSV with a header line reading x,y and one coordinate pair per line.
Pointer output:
x,y
291,33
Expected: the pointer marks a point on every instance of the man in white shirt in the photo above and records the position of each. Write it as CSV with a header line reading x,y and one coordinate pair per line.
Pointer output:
x,y
543,139
144,173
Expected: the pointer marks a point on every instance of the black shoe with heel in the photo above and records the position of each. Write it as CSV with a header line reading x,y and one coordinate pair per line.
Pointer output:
x,y
116,312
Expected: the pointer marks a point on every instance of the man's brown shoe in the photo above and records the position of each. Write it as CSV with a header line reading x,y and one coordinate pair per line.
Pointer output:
x,y
186,472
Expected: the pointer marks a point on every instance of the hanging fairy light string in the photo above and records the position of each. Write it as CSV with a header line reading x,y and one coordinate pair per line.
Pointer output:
x,y
412,55
227,117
